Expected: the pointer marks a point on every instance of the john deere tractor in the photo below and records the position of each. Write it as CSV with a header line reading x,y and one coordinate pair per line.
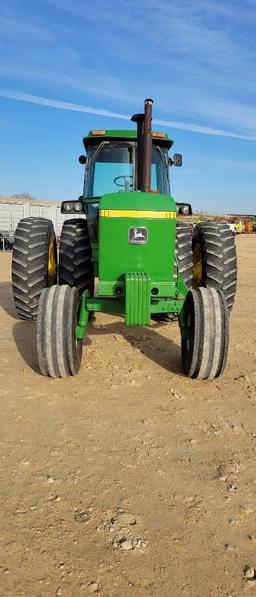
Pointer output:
x,y
128,238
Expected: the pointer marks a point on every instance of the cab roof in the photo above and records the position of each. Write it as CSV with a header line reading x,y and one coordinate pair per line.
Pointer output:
x,y
159,137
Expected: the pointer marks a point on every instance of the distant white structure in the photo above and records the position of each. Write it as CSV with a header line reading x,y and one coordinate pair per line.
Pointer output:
x,y
12,212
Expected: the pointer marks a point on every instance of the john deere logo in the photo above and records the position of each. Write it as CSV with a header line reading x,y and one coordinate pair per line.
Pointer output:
x,y
138,236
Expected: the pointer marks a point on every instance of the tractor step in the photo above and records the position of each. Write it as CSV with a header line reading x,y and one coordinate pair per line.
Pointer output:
x,y
137,299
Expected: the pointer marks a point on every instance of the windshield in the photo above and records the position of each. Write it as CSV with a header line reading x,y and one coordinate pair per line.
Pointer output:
x,y
159,171
113,170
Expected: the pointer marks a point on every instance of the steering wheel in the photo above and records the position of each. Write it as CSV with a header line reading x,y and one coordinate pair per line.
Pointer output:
x,y
126,182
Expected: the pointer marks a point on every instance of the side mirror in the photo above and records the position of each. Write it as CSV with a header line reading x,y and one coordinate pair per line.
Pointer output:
x,y
82,159
176,160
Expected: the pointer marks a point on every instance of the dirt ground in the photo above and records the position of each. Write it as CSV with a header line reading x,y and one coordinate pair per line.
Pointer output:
x,y
128,480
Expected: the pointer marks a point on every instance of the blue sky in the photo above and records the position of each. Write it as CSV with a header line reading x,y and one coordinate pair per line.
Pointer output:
x,y
70,65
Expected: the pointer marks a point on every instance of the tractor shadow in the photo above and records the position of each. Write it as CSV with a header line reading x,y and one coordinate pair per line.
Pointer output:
x,y
159,349
163,351
6,300
24,332
24,335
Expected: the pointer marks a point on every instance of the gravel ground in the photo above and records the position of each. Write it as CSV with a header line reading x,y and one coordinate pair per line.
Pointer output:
x,y
128,480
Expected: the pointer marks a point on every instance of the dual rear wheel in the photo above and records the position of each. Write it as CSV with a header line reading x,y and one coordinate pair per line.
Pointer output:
x,y
208,259
34,264
214,259
34,261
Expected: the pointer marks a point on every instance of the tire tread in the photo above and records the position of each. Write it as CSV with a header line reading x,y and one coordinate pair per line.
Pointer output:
x,y
30,256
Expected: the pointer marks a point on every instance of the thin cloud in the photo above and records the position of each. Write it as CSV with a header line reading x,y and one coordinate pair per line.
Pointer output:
x,y
60,105
204,130
173,124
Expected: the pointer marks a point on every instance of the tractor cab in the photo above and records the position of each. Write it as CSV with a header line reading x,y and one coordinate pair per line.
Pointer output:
x,y
113,165
111,162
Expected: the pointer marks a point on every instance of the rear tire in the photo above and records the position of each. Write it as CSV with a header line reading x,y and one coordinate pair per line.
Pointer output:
x,y
59,352
184,252
204,351
214,246
185,263
75,257
34,264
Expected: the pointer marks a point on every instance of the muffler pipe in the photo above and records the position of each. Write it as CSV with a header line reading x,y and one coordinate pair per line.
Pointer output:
x,y
144,147
147,146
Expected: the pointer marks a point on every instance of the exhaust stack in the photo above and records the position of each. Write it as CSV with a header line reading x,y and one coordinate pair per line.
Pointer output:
x,y
144,147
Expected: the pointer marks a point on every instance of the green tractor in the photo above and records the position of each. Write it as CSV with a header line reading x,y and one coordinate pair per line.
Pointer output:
x,y
146,263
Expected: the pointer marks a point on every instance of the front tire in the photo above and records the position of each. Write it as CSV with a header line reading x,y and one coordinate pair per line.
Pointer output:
x,y
59,352
34,264
204,345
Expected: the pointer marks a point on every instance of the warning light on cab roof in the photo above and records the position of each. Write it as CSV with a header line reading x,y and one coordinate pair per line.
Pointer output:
x,y
98,132
158,134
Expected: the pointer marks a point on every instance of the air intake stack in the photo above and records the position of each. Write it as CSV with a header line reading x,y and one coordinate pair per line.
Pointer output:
x,y
144,147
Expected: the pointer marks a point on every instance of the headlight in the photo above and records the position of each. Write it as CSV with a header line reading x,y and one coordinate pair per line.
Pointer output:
x,y
78,206
184,209
72,207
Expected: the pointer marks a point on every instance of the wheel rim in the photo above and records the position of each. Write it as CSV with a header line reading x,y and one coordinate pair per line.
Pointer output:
x,y
52,265
197,265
